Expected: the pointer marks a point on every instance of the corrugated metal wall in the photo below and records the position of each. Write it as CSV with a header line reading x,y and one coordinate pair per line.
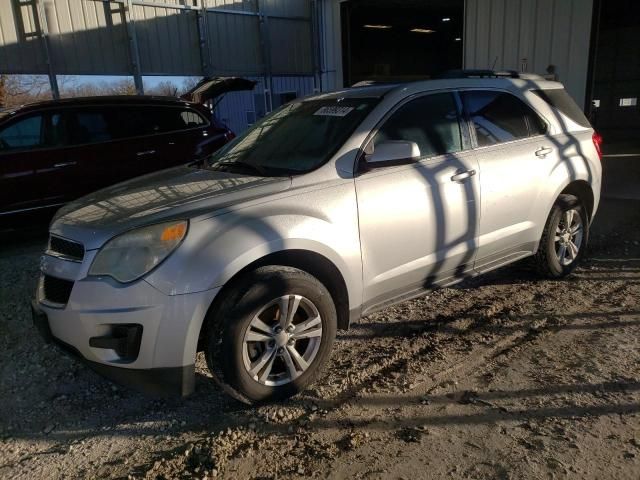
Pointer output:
x,y
168,40
530,35
230,54
239,109
20,45
71,51
173,37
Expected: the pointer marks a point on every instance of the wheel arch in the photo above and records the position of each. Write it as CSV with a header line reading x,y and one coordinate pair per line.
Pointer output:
x,y
584,192
306,260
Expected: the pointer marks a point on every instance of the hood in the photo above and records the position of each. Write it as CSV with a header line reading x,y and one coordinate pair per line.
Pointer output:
x,y
211,87
181,192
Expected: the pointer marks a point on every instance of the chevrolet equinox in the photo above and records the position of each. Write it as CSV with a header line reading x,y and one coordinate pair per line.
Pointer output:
x,y
328,209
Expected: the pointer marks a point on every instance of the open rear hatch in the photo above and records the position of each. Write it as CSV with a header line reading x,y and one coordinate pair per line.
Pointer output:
x,y
210,88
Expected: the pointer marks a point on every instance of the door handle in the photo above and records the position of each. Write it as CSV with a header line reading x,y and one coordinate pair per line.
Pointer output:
x,y
543,152
64,164
145,152
462,176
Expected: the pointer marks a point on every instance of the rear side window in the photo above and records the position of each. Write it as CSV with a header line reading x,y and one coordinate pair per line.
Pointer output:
x,y
432,122
500,117
560,99
151,120
92,126
171,119
22,134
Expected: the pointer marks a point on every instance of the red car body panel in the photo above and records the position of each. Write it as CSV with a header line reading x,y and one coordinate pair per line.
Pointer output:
x,y
84,144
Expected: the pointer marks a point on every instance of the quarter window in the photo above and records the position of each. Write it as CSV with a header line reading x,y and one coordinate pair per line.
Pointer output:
x,y
171,119
191,119
500,117
432,122
22,134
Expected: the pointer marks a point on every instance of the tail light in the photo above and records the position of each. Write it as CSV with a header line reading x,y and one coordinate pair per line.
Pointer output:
x,y
229,135
597,142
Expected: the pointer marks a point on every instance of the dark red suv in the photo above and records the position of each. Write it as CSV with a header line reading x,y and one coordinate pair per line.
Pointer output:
x,y
55,151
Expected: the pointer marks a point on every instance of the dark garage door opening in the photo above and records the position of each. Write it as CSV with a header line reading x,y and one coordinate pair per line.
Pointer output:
x,y
616,82
387,40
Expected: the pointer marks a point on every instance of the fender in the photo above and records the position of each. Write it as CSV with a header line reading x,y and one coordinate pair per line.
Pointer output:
x,y
217,248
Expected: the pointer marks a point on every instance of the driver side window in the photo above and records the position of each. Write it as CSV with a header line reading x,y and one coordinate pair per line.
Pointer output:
x,y
22,134
431,121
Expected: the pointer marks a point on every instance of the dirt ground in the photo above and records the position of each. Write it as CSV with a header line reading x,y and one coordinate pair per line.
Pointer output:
x,y
504,376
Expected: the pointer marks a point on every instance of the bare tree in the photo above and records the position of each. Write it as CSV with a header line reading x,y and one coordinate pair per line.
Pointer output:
x,y
188,83
121,87
18,90
166,88
21,89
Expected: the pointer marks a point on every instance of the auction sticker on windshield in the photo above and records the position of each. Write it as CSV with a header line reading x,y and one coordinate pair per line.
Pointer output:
x,y
333,111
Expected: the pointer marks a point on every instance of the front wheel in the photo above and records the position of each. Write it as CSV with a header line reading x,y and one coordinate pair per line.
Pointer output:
x,y
271,335
564,238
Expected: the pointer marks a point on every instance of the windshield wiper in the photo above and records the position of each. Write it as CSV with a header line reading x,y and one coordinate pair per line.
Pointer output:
x,y
239,163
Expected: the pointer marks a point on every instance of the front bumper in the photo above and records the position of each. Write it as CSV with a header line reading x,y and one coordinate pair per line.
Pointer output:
x,y
165,350
155,381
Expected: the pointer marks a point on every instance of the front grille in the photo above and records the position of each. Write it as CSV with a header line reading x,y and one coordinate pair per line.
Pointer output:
x,y
56,290
66,248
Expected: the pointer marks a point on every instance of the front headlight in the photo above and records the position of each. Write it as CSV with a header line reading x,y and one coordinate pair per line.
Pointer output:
x,y
130,255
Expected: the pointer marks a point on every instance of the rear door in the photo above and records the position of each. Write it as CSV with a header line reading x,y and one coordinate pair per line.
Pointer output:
x,y
178,132
515,159
181,134
107,148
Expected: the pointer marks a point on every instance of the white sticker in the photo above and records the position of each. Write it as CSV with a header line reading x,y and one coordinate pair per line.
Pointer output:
x,y
333,111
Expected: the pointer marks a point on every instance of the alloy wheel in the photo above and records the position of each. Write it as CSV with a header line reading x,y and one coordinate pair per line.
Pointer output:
x,y
282,340
569,236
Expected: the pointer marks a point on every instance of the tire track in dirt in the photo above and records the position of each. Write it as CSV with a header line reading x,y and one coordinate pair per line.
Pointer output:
x,y
481,353
342,416
478,311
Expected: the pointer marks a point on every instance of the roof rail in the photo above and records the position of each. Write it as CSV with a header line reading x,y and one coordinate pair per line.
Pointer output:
x,y
370,83
479,74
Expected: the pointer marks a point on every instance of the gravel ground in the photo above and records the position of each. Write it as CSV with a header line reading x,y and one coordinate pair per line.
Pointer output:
x,y
504,376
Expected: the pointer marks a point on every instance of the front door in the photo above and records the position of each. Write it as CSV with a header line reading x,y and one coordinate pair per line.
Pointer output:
x,y
418,222
30,164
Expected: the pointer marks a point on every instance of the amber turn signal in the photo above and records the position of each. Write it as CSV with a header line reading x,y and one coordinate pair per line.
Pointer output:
x,y
174,232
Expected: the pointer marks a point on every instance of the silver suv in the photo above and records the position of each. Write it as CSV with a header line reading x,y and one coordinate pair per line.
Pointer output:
x,y
328,209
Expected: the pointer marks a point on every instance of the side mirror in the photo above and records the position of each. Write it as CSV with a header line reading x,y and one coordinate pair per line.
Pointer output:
x,y
394,152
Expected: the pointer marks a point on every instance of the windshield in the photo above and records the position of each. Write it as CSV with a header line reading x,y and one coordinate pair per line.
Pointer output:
x,y
295,139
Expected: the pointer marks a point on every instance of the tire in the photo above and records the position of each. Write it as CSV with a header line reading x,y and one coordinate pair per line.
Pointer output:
x,y
257,364
552,260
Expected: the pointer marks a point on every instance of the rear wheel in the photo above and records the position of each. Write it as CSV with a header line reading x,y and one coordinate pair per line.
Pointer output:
x,y
564,238
271,335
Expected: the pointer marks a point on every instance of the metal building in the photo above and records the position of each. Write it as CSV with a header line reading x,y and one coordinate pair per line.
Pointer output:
x,y
295,47
271,41
592,46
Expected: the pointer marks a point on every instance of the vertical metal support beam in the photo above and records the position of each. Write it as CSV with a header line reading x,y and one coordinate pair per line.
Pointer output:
x,y
263,31
203,32
134,54
316,43
44,29
345,25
